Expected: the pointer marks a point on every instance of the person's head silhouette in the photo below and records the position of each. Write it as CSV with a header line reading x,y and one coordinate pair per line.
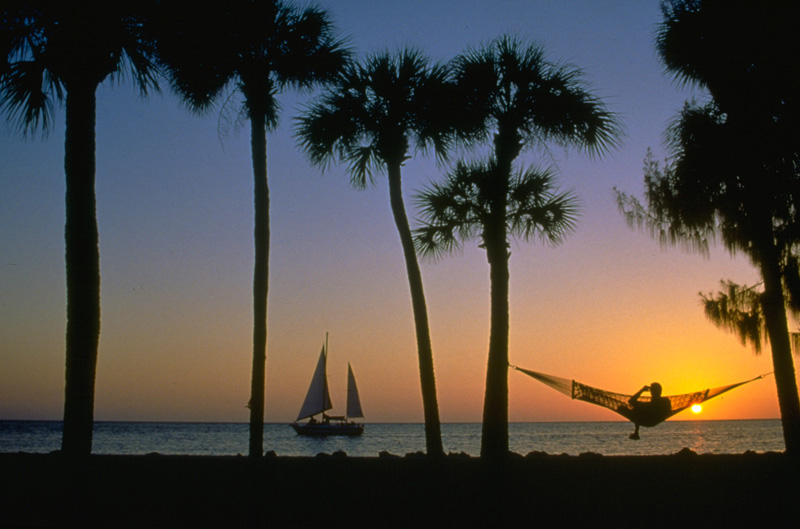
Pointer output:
x,y
655,389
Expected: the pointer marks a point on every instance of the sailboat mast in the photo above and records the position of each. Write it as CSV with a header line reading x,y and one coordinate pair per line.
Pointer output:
x,y
325,376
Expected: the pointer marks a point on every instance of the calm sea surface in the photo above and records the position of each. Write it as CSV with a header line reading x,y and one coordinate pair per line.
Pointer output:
x,y
608,438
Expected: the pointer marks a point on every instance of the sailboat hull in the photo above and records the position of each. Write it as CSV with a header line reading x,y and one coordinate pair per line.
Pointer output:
x,y
323,429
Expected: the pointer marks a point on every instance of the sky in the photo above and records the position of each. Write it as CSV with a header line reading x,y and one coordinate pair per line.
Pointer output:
x,y
609,307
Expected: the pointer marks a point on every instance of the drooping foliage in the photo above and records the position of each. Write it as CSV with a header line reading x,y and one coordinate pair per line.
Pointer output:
x,y
737,308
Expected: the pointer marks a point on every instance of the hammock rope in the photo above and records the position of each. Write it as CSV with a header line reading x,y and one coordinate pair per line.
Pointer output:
x,y
620,403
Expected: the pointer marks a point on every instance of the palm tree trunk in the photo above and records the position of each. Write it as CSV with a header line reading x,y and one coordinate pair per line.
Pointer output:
x,y
494,438
783,366
430,405
258,143
83,270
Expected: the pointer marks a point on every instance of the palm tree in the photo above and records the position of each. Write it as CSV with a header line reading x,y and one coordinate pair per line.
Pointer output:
x,y
519,101
54,53
464,208
369,118
259,48
733,172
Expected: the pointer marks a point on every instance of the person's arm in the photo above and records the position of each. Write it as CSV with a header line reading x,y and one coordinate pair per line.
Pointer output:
x,y
635,397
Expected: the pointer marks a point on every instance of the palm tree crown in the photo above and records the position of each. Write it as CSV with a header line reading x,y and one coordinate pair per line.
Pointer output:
x,y
375,111
258,47
514,92
47,46
459,209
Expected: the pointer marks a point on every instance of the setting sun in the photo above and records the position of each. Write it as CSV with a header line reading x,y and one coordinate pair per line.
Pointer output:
x,y
696,408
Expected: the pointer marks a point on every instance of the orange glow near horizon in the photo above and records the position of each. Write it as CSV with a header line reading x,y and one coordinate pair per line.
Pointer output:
x,y
607,307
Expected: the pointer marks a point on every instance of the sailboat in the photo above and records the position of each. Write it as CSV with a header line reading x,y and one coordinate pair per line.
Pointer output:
x,y
318,401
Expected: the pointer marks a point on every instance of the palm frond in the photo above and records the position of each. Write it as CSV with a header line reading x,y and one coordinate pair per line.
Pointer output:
x,y
333,127
437,118
372,111
143,69
19,33
133,45
29,90
232,114
308,51
260,47
563,108
434,241
537,208
452,211
475,87
362,161
195,50
511,86
29,95
45,44
260,99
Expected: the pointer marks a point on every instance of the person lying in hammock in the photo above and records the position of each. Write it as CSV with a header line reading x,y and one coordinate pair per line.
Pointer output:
x,y
641,411
648,412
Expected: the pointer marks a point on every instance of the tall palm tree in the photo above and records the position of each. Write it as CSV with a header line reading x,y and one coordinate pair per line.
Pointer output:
x,y
370,118
467,207
54,53
256,48
734,163
519,100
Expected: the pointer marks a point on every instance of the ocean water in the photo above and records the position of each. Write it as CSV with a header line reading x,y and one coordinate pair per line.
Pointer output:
x,y
574,438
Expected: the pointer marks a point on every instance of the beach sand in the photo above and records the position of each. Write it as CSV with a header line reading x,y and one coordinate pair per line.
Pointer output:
x,y
156,491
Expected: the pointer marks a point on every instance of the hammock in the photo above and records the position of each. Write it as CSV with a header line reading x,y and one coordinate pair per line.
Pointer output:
x,y
620,403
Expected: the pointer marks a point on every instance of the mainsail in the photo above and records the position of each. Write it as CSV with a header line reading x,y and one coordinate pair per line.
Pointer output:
x,y
353,401
620,403
318,399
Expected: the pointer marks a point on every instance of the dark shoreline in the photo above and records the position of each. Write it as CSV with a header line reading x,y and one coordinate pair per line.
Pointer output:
x,y
685,489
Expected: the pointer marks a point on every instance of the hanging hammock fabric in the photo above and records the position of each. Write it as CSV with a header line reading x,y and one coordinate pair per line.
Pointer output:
x,y
620,403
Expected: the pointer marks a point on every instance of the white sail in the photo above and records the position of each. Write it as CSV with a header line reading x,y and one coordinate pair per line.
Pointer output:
x,y
317,399
353,401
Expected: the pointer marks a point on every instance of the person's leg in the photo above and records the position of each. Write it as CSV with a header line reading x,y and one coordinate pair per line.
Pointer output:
x,y
635,434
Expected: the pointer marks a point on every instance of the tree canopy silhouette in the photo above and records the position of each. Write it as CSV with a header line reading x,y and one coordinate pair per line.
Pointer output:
x,y
733,172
